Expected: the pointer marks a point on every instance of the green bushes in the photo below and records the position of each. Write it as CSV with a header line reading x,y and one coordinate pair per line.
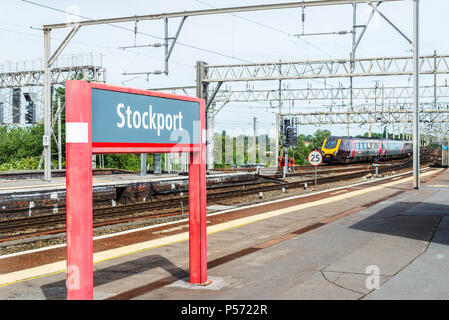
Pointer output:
x,y
30,163
20,143
129,162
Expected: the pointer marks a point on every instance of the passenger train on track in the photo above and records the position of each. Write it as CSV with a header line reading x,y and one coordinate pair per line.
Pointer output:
x,y
348,149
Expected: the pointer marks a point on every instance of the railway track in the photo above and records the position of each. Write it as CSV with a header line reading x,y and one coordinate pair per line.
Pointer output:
x,y
55,223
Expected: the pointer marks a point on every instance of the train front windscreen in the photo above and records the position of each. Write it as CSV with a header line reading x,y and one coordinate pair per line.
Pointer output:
x,y
331,143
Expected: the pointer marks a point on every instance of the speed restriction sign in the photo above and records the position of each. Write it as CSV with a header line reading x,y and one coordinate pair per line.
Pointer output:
x,y
315,158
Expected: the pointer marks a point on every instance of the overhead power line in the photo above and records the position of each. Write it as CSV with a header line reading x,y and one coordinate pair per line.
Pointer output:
x,y
89,44
269,27
139,32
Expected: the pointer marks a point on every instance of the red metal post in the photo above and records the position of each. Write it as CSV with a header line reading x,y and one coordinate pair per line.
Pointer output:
x,y
79,191
197,208
194,218
202,196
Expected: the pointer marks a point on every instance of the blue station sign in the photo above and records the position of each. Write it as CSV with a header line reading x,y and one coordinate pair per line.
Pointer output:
x,y
121,119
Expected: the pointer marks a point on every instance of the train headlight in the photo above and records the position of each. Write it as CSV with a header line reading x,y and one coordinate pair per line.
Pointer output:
x,y
335,153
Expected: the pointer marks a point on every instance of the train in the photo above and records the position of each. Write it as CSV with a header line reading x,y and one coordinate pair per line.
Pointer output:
x,y
343,150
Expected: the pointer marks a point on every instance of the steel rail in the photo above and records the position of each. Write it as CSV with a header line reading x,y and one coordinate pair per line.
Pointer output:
x,y
112,212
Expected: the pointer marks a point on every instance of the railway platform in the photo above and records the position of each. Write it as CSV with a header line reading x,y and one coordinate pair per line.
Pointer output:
x,y
31,196
374,240
116,180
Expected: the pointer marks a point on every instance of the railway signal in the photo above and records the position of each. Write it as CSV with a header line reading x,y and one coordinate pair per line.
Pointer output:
x,y
30,116
289,133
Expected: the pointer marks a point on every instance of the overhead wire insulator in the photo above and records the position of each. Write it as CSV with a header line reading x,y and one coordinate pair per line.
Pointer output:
x,y
135,31
303,18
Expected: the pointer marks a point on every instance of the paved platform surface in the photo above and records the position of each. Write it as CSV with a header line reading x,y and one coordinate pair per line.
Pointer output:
x,y
325,249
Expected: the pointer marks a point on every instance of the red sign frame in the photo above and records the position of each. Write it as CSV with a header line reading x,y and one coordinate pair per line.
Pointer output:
x,y
79,151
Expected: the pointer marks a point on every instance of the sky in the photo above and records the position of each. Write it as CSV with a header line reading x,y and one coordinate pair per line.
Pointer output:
x,y
263,36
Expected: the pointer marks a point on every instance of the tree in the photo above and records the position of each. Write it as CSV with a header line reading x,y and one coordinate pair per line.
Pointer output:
x,y
301,153
318,139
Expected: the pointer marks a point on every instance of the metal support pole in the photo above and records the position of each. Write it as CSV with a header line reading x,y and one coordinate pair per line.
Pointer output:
x,y
285,161
157,163
201,92
255,139
166,44
143,164
416,182
47,108
435,79
354,35
279,120
347,126
59,135
276,151
79,195
443,156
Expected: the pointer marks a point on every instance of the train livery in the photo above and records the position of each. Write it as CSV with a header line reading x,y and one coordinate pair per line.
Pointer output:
x,y
348,149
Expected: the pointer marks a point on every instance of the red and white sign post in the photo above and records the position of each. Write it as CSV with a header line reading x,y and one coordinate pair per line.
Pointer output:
x,y
80,146
315,159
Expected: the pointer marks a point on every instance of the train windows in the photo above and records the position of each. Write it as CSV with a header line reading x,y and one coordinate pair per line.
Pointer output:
x,y
347,145
330,144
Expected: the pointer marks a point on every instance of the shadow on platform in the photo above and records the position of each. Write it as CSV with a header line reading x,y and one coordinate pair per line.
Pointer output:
x,y
413,220
57,290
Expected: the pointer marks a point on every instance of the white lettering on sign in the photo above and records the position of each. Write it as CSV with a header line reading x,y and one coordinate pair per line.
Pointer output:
x,y
148,120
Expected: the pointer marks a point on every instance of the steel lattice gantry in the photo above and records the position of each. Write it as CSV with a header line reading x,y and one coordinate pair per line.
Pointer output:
x,y
319,69
330,93
28,75
362,115
58,76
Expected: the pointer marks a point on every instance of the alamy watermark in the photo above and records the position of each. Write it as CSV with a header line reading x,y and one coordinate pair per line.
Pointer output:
x,y
373,280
